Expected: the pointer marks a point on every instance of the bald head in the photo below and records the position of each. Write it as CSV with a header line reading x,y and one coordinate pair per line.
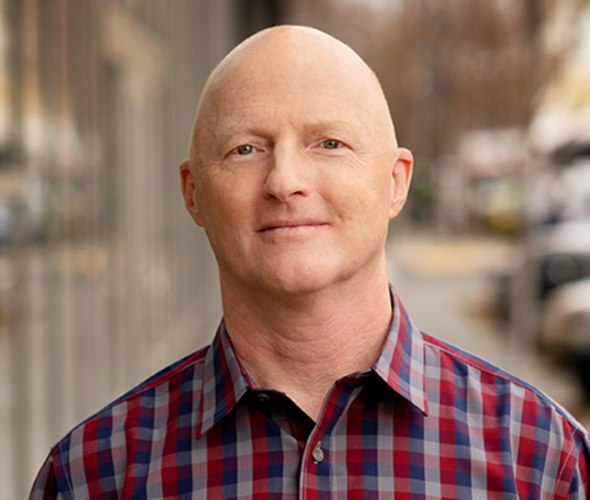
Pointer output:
x,y
294,59
294,171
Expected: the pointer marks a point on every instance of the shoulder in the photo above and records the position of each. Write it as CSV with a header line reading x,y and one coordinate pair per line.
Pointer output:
x,y
514,422
502,411
191,364
103,440
447,361
160,388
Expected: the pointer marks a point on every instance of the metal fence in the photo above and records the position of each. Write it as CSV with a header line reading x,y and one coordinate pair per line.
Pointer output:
x,y
103,277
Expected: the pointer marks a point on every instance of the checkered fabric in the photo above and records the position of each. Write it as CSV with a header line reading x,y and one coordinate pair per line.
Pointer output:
x,y
428,421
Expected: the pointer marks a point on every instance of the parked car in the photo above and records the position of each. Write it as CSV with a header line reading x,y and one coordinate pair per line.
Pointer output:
x,y
560,194
562,255
565,326
556,255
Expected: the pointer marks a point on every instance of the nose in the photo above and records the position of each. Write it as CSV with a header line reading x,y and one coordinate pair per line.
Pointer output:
x,y
287,175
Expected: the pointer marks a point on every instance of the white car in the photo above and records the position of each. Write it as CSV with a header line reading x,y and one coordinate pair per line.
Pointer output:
x,y
565,326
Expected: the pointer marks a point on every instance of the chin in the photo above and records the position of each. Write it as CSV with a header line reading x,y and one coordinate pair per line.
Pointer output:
x,y
300,282
296,288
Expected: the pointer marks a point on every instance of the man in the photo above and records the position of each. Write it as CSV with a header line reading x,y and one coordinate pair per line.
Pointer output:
x,y
317,384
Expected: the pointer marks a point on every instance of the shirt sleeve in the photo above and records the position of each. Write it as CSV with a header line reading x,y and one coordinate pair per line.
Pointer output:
x,y
45,484
579,487
584,472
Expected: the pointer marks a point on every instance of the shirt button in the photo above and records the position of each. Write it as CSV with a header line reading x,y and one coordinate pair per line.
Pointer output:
x,y
263,397
317,454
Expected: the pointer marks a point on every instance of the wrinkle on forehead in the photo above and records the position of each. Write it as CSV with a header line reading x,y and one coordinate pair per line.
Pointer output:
x,y
287,55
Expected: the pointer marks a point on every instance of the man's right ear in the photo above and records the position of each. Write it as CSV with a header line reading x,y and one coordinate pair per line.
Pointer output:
x,y
188,185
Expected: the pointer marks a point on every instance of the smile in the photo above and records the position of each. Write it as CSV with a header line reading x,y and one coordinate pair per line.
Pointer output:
x,y
289,227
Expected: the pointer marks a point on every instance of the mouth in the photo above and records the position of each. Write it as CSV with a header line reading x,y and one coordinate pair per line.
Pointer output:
x,y
290,226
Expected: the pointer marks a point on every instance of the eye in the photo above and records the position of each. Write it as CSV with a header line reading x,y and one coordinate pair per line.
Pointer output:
x,y
331,144
244,149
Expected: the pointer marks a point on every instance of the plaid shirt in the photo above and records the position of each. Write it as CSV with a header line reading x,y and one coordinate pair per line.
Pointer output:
x,y
427,421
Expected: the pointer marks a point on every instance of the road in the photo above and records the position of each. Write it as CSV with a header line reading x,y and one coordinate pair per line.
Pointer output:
x,y
445,286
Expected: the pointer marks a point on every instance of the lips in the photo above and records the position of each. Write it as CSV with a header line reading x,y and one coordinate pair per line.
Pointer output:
x,y
286,225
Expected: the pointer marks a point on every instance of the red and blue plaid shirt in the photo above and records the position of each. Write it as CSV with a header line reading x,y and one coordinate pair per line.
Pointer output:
x,y
427,421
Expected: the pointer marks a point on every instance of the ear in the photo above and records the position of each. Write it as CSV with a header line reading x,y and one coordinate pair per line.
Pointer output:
x,y
402,176
189,191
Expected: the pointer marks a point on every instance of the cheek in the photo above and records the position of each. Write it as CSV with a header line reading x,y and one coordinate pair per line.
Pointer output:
x,y
222,199
366,198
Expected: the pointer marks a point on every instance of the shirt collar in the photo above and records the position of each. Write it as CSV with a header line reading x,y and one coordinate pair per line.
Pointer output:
x,y
224,382
401,362
400,365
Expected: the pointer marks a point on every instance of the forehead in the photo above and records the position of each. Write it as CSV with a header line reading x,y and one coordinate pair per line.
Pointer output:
x,y
287,92
314,99
271,114
304,81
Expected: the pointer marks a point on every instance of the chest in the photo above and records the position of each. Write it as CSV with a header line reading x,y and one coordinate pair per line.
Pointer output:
x,y
363,446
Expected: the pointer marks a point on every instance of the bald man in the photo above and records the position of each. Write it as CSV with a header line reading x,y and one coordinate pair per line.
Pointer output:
x,y
317,384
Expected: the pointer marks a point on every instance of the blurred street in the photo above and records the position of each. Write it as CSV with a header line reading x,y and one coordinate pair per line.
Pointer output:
x,y
445,284
103,277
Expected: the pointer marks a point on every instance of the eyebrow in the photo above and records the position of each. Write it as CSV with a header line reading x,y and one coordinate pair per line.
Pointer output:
x,y
330,125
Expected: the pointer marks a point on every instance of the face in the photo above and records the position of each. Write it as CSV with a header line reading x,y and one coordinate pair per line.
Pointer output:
x,y
295,177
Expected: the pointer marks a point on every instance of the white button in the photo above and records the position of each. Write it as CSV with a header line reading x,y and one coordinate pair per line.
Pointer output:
x,y
317,454
263,397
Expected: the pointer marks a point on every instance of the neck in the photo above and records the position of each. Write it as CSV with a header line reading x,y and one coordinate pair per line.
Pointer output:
x,y
301,346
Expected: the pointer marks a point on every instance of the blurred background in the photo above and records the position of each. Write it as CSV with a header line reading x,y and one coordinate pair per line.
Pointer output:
x,y
103,277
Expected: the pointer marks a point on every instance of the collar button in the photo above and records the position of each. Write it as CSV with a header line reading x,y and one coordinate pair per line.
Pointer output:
x,y
263,397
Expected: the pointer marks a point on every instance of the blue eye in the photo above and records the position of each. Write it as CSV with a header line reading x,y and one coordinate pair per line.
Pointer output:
x,y
244,149
331,144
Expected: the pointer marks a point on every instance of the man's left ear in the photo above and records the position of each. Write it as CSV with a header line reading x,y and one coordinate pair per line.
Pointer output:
x,y
402,176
